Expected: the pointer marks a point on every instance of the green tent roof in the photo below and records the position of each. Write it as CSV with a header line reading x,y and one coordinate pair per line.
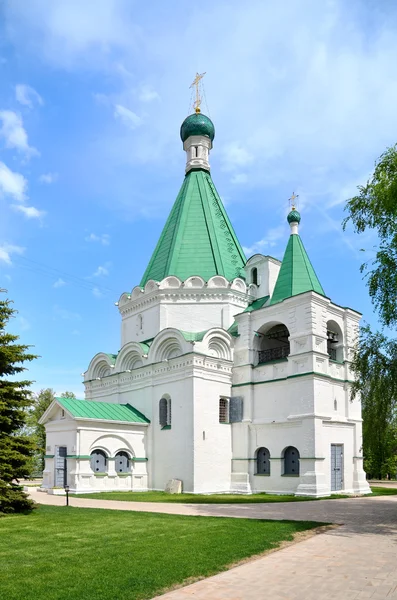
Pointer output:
x,y
106,411
296,274
198,238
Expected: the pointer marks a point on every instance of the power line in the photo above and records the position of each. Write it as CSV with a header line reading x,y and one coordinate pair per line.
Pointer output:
x,y
49,271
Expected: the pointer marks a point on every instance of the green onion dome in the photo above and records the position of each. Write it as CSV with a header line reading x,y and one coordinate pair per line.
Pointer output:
x,y
197,124
294,217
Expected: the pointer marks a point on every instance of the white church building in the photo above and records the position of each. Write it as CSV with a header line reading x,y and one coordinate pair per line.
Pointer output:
x,y
233,375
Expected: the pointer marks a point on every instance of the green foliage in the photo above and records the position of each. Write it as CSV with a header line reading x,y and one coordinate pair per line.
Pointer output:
x,y
375,369
375,363
375,208
16,447
40,404
59,553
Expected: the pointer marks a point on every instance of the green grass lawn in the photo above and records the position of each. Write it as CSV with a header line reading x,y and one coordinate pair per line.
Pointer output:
x,y
215,498
63,553
383,491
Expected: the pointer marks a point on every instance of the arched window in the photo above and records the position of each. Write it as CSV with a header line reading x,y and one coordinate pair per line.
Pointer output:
x,y
165,412
291,461
262,461
98,461
274,343
334,341
122,462
254,276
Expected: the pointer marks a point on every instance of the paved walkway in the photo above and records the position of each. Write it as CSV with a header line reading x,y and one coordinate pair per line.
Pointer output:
x,y
357,560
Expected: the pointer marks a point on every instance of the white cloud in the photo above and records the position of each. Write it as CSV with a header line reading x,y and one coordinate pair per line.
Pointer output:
x,y
30,212
315,107
127,117
235,156
59,283
72,33
12,184
148,94
102,270
271,240
14,134
7,250
97,293
103,239
27,96
65,315
48,178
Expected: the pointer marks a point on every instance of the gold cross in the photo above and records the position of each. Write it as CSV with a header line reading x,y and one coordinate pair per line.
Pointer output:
x,y
195,84
292,200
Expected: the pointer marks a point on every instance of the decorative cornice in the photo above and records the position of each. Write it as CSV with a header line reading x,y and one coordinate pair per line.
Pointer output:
x,y
187,295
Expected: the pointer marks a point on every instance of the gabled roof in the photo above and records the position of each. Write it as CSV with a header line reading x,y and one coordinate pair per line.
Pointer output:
x,y
296,274
198,237
104,411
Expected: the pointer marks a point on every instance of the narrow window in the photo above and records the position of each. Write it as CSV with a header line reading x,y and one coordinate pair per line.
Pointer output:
x,y
223,410
254,276
263,461
98,461
165,412
122,462
291,461
62,414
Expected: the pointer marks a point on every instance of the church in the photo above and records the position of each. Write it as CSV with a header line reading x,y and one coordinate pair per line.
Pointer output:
x,y
232,376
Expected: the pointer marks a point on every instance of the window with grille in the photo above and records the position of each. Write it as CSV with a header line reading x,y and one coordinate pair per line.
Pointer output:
x,y
263,461
98,461
223,410
291,461
165,412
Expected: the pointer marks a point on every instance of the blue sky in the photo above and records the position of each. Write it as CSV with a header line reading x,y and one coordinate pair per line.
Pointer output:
x,y
92,95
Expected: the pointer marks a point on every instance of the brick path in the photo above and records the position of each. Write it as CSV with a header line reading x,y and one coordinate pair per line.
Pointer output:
x,y
357,560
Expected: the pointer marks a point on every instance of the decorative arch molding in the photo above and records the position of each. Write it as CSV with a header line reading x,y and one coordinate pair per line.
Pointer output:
x,y
169,343
100,366
218,282
170,282
128,451
136,292
151,286
194,282
217,342
130,357
95,446
252,290
254,259
239,285
106,441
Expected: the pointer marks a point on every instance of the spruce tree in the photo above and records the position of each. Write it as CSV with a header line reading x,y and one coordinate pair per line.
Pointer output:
x,y
16,448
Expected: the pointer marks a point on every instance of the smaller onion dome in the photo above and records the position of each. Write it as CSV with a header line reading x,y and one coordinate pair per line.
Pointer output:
x,y
294,217
197,124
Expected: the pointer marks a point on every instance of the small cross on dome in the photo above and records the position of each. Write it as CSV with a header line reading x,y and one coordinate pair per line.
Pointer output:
x,y
292,200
